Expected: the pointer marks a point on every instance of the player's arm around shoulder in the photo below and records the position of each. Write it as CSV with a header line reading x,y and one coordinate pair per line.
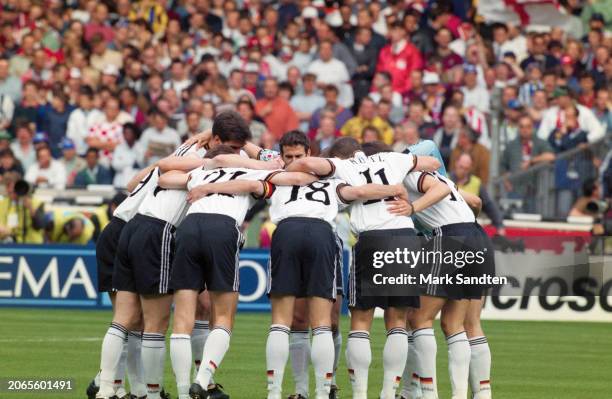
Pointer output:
x,y
347,193
322,167
473,201
180,163
237,161
426,163
174,179
283,178
258,188
433,191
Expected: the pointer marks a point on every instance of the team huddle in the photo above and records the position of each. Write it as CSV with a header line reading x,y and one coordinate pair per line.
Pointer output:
x,y
176,240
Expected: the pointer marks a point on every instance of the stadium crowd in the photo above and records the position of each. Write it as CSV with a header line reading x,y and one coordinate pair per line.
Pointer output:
x,y
92,91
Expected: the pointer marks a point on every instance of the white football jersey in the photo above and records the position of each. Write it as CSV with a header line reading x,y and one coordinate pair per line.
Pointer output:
x,y
232,205
381,168
451,209
169,205
129,207
318,200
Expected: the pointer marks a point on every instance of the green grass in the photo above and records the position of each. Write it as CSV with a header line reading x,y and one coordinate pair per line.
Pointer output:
x,y
531,360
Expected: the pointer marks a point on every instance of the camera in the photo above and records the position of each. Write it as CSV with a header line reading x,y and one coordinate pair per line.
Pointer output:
x,y
598,207
22,188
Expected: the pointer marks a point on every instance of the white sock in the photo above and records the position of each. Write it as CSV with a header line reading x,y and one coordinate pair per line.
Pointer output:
x,y
358,359
277,352
153,357
394,361
299,350
120,372
180,355
458,364
426,347
411,388
480,368
198,338
134,364
215,348
110,356
322,355
337,348
97,378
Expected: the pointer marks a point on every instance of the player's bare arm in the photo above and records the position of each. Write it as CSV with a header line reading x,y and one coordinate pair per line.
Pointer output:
x,y
292,179
318,166
174,179
434,190
235,187
237,161
427,164
473,201
372,192
139,176
201,139
181,163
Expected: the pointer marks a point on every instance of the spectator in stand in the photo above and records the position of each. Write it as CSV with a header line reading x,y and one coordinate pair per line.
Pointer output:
x,y
325,135
246,109
418,115
591,191
21,217
93,173
420,36
587,90
330,93
538,54
82,119
467,143
7,110
467,182
509,127
365,52
329,70
106,134
474,95
99,25
409,141
554,116
8,162
399,59
602,110
370,134
46,172
276,111
72,162
446,136
53,119
27,110
158,140
520,154
125,157
433,97
448,58
10,85
308,101
23,148
101,56
128,98
538,108
179,79
367,117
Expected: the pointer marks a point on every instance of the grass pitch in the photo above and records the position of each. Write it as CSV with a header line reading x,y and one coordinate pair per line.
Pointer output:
x,y
531,360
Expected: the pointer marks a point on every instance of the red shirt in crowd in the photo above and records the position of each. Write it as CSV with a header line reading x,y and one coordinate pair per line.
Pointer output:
x,y
399,61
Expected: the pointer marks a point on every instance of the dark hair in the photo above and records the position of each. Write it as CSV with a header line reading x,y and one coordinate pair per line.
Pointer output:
x,y
371,129
286,86
374,147
86,91
293,138
344,147
219,150
247,103
230,126
133,127
92,150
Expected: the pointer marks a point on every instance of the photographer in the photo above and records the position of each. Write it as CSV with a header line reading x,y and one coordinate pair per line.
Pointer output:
x,y
21,215
68,227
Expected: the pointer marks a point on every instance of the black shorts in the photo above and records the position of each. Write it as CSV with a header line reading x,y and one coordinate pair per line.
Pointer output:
x,y
106,248
144,256
460,237
339,266
303,259
207,254
360,263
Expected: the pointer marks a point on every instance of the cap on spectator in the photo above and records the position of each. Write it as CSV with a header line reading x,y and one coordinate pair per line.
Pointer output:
x,y
553,44
75,73
110,69
4,135
509,54
597,16
67,144
560,91
431,78
40,137
469,68
318,3
310,13
514,104
566,60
